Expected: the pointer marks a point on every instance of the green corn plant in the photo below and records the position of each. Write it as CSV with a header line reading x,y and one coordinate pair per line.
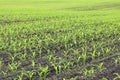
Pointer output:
x,y
20,77
102,50
65,53
48,51
83,49
13,66
88,73
93,56
67,65
50,57
30,74
1,63
100,67
66,46
56,67
119,39
117,61
64,79
43,71
40,52
14,79
25,47
94,46
117,76
59,68
19,44
54,59
92,72
107,51
23,56
78,59
14,49
12,57
24,42
33,63
76,52
104,78
4,73
23,73
84,57
98,54
85,73
2,47
33,55
75,78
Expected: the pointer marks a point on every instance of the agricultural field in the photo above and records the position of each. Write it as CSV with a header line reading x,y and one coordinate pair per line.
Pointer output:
x,y
59,39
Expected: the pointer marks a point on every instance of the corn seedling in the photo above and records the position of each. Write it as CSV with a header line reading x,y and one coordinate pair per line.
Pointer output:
x,y
84,57
85,73
93,56
57,69
98,54
66,66
78,59
117,76
65,53
13,66
30,74
43,71
92,72
104,79
100,67
4,73
117,61
1,63
12,57
64,79
33,63
76,52
75,78
20,77
33,55
107,51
